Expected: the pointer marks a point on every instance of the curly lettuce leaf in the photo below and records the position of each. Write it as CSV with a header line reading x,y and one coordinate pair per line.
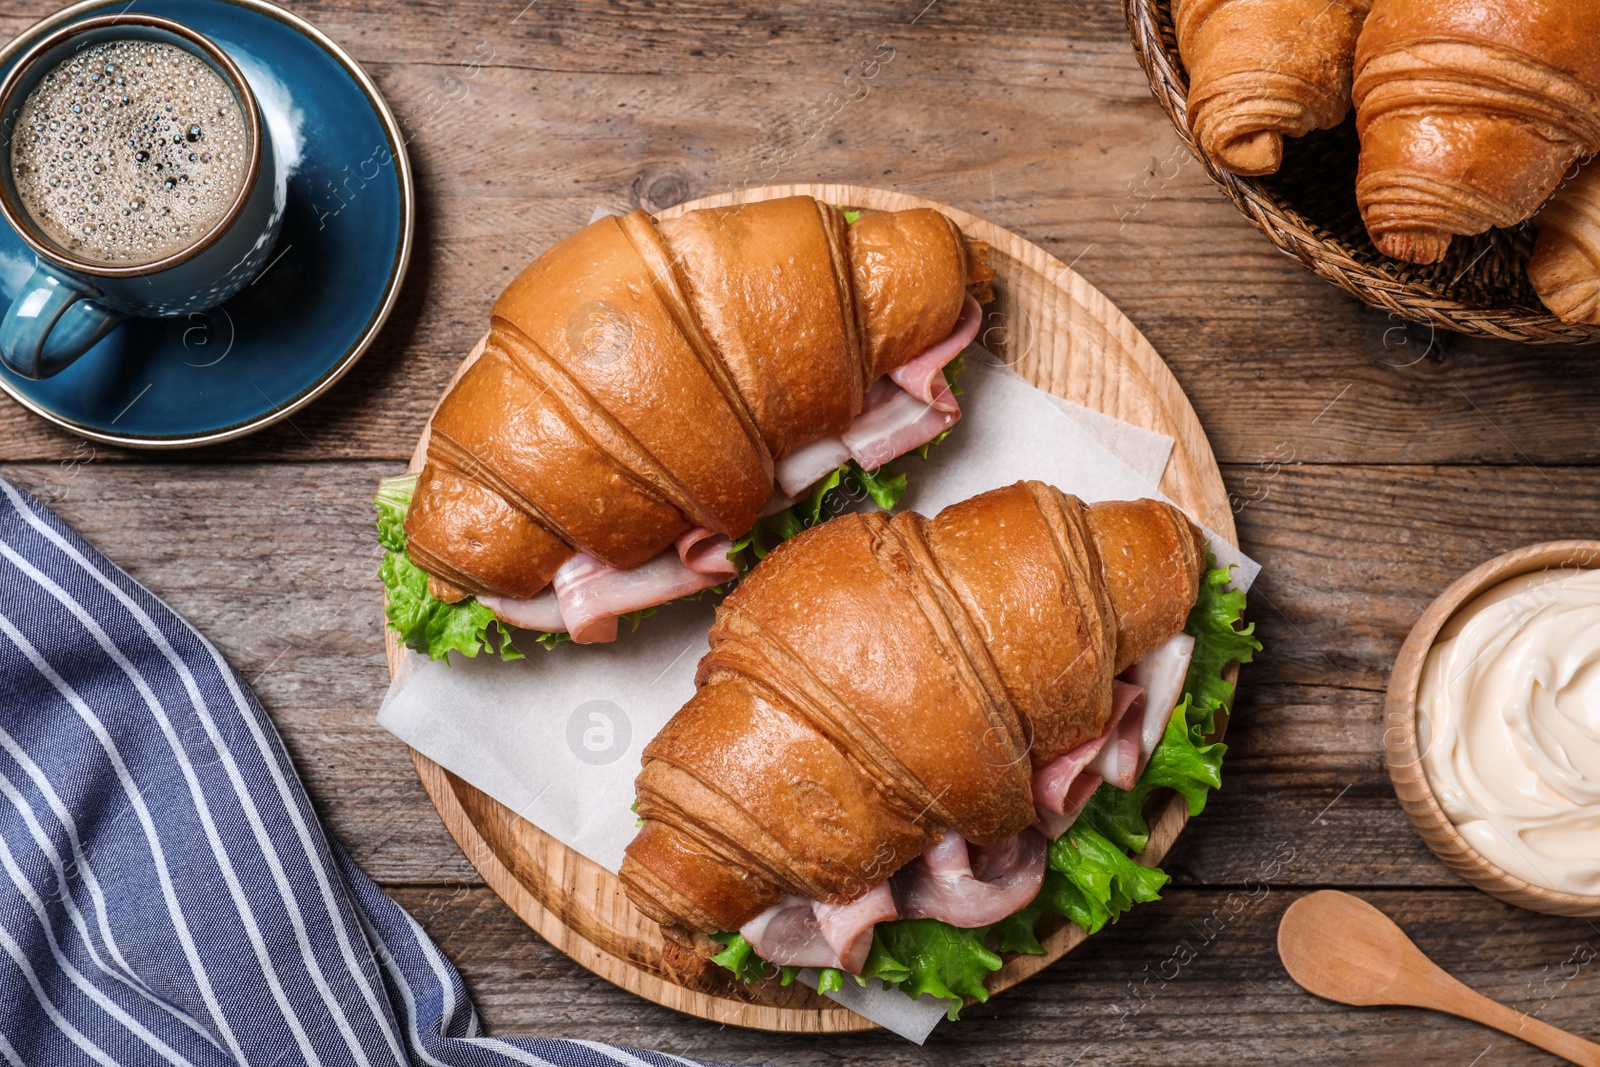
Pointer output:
x,y
739,957
882,965
429,625
829,979
1118,815
1183,762
918,956
1220,638
425,623
829,496
884,489
394,497
549,640
771,530
937,958
1097,880
1017,933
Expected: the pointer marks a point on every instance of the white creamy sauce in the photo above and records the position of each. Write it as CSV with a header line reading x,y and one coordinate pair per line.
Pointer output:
x,y
1508,721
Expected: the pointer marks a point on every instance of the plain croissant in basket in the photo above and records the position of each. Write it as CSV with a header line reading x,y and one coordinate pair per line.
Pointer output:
x,y
1565,268
1263,70
1470,113
887,690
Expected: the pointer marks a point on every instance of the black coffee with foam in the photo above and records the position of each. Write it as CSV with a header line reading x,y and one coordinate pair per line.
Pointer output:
x,y
130,151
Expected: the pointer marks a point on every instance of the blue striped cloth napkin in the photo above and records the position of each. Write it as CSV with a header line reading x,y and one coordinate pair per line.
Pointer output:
x,y
169,895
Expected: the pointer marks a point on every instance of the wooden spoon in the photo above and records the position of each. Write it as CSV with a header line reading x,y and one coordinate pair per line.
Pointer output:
x,y
1342,948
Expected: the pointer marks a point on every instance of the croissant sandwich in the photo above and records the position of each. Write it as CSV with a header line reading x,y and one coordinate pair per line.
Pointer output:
x,y
912,737
651,390
1565,268
1470,112
1263,70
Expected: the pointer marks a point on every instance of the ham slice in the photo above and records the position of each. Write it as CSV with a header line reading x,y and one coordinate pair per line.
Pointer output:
x,y
779,501
805,466
1118,759
1051,782
1061,788
1052,824
1143,700
962,884
894,422
1161,675
592,595
923,377
848,927
1064,785
789,934
969,885
706,552
797,932
542,612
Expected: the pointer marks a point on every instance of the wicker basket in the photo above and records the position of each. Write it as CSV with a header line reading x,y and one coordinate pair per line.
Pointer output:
x,y
1308,209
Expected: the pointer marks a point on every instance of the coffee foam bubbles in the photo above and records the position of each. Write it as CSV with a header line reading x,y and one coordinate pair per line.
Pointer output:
x,y
130,151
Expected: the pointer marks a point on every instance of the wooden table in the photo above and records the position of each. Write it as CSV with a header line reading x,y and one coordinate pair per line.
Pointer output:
x,y
1372,464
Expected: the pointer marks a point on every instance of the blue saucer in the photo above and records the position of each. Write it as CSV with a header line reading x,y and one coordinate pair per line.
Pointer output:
x,y
170,383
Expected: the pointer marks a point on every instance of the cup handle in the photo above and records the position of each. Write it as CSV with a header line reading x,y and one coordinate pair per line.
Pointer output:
x,y
52,322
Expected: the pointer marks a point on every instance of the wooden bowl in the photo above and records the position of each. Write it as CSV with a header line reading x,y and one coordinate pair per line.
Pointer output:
x,y
1308,209
1404,755
1062,335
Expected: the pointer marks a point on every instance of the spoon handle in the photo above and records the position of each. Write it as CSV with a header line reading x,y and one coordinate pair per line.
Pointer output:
x,y
1462,1000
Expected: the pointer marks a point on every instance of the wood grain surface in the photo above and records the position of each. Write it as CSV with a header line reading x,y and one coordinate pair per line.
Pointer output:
x,y
1059,333
1370,465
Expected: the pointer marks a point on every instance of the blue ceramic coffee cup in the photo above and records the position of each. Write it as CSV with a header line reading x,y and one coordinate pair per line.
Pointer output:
x,y
70,302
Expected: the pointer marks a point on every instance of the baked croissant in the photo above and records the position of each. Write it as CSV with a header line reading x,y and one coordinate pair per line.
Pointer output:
x,y
642,377
1470,112
877,681
1565,268
1263,70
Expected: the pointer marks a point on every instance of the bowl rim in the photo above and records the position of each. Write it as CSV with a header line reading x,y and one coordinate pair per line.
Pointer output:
x,y
1402,752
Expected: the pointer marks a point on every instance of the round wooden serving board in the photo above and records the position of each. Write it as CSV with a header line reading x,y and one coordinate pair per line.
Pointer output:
x,y
1064,336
